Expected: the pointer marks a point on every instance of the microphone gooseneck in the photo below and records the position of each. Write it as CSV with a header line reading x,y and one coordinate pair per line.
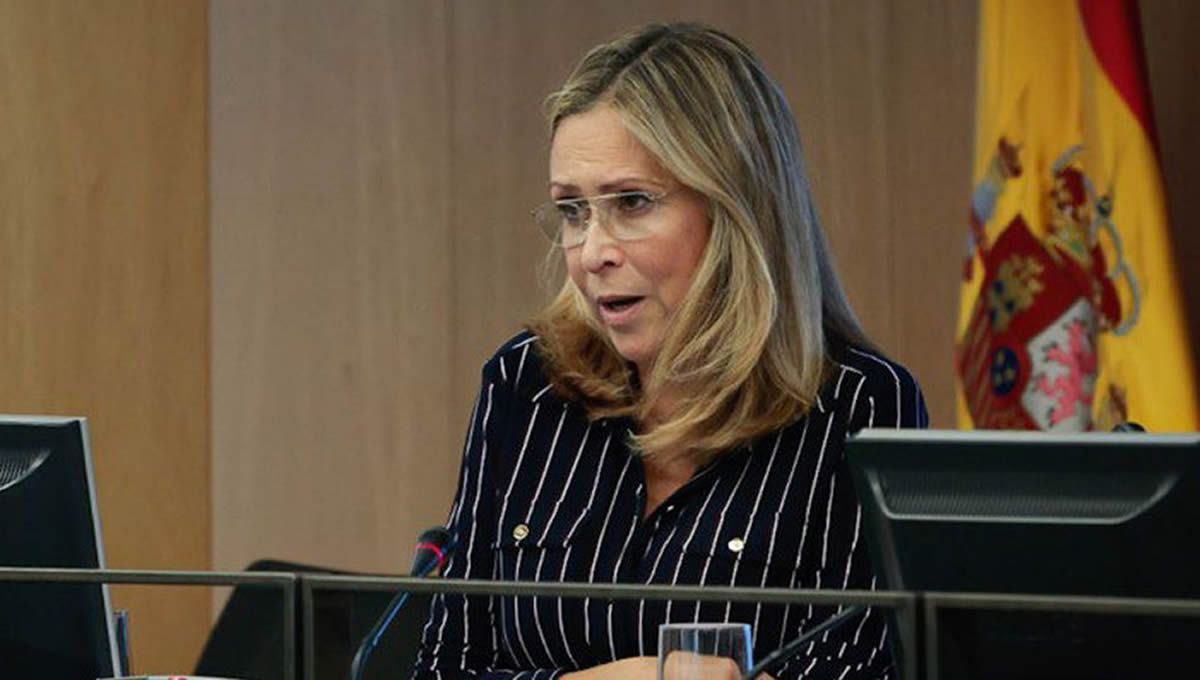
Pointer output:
x,y
1128,426
775,658
432,549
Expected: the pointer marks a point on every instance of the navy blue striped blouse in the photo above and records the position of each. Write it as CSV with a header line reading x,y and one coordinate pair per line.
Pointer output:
x,y
546,495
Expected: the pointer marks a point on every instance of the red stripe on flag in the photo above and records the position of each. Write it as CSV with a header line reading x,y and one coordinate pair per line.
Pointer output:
x,y
1115,31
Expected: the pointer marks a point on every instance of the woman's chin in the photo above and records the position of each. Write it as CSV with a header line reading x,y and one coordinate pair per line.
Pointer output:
x,y
633,350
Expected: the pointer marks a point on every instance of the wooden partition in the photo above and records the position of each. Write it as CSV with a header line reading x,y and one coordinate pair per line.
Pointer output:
x,y
104,275
1173,55
332,289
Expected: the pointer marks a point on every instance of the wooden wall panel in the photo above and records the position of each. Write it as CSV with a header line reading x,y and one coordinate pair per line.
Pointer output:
x,y
332,295
104,275
1172,54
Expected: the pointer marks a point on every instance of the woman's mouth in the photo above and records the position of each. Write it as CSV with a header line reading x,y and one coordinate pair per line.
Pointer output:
x,y
619,310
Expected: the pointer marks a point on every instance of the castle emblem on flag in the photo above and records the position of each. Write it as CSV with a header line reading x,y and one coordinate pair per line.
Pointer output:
x,y
1029,358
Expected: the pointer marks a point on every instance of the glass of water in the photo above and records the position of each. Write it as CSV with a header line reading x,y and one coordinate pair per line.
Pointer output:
x,y
695,651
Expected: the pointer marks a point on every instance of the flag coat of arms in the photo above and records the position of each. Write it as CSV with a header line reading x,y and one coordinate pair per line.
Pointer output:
x,y
1071,317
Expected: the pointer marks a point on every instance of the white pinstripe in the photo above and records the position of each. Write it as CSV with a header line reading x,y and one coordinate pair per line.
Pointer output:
x,y
896,378
499,565
522,343
521,366
853,544
487,412
616,570
587,602
567,558
737,562
862,620
854,400
857,508
825,546
650,579
517,469
848,367
499,529
787,490
688,542
717,533
812,489
458,504
825,534
537,494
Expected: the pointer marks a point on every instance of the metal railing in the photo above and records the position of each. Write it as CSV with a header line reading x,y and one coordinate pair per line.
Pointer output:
x,y
285,581
906,604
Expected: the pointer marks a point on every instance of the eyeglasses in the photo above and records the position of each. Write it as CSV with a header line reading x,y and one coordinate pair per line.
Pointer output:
x,y
626,214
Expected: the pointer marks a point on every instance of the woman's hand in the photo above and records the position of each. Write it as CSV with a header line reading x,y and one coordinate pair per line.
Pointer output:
x,y
679,666
634,668
689,665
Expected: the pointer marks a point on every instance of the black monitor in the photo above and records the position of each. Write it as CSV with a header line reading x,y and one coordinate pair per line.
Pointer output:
x,y
49,518
1108,514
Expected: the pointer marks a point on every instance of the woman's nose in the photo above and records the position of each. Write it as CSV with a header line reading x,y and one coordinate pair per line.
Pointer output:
x,y
600,249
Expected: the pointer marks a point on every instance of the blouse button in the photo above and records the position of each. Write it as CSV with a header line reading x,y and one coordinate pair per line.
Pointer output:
x,y
520,531
736,545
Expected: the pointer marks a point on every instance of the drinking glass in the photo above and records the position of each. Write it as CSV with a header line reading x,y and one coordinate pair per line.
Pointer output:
x,y
703,651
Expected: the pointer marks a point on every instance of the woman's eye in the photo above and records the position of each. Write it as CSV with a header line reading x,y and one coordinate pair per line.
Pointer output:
x,y
572,212
634,201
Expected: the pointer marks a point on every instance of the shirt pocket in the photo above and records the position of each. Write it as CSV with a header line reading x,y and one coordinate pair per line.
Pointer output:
x,y
736,558
542,548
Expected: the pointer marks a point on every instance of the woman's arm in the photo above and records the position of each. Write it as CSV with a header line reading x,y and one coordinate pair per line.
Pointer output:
x,y
887,397
460,640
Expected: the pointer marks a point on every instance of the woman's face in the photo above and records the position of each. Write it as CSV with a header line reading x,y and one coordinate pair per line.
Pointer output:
x,y
633,287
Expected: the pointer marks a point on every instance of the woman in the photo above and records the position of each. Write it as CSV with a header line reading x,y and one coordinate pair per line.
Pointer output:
x,y
678,414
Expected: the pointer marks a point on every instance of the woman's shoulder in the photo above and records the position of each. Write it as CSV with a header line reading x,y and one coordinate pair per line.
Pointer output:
x,y
877,390
518,365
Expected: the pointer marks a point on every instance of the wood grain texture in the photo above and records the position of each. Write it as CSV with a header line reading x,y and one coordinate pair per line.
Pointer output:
x,y
332,440
104,275
1172,54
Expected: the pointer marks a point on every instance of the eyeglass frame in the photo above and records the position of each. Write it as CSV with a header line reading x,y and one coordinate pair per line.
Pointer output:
x,y
593,214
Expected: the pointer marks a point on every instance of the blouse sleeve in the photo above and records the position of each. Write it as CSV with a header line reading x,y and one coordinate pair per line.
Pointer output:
x,y
460,638
858,649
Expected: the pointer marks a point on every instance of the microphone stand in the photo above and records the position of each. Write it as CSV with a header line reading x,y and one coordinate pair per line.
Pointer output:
x,y
373,637
774,658
437,540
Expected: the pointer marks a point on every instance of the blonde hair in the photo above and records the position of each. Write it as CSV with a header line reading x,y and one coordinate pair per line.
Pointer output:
x,y
748,346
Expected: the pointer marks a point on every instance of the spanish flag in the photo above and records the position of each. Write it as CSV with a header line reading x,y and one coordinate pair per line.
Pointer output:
x,y
1071,316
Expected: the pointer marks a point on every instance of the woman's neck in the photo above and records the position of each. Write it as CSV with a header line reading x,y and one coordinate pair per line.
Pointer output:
x,y
664,478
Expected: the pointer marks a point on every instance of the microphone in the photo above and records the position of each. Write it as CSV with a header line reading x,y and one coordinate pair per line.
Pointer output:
x,y
776,658
1128,426
433,547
